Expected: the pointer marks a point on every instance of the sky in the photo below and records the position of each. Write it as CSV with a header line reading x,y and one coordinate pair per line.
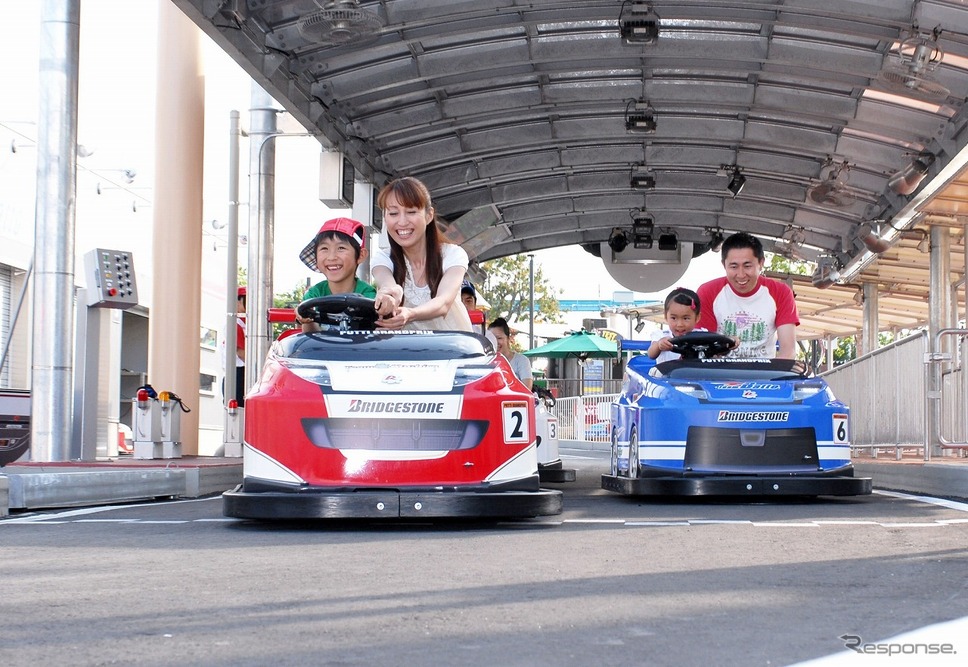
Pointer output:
x,y
116,120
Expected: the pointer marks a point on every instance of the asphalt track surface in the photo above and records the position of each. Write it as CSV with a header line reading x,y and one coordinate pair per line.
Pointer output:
x,y
612,581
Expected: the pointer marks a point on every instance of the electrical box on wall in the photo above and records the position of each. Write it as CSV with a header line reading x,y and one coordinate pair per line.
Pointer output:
x,y
110,279
336,176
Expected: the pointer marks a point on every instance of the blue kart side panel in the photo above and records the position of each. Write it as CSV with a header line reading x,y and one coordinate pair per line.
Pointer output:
x,y
729,427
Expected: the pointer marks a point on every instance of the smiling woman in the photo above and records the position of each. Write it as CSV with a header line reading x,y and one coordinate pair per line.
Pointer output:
x,y
419,280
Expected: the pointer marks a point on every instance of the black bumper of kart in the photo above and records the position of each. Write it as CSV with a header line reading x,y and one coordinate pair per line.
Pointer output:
x,y
390,504
739,485
554,473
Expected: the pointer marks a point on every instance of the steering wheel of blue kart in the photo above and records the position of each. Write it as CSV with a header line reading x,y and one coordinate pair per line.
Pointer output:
x,y
346,311
701,344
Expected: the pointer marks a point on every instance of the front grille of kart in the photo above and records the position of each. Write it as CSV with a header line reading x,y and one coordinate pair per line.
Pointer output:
x,y
394,434
746,451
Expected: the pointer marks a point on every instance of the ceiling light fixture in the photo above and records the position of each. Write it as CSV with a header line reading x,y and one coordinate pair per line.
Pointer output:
x,y
668,241
643,228
871,240
643,178
638,23
736,183
640,117
716,239
790,243
618,240
827,272
907,180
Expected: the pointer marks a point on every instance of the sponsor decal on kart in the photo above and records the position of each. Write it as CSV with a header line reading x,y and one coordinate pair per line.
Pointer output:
x,y
743,416
411,406
744,386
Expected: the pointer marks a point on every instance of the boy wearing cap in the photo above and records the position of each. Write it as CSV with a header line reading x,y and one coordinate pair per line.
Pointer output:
x,y
336,251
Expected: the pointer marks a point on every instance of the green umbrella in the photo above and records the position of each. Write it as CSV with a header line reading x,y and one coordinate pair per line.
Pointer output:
x,y
580,344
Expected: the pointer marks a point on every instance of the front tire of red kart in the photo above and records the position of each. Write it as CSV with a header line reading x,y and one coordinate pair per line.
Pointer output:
x,y
635,465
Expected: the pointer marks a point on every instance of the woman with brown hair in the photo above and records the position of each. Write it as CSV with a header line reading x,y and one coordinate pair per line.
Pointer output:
x,y
419,279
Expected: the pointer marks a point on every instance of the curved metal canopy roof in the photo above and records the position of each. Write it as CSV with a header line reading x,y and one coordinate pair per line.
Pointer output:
x,y
522,108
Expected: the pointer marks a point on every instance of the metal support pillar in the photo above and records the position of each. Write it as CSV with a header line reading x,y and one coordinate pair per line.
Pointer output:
x,y
871,323
52,360
262,182
938,313
232,257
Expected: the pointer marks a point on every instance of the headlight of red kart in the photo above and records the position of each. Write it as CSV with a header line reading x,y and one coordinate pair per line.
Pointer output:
x,y
309,371
489,374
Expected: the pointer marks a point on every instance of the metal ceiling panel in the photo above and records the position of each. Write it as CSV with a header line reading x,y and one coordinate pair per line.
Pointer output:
x,y
521,105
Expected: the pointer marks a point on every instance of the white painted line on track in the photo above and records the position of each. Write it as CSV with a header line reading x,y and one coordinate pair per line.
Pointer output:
x,y
786,524
657,523
943,502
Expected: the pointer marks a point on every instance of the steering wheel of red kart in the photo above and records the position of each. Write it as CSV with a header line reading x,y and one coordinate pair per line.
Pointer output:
x,y
346,311
701,344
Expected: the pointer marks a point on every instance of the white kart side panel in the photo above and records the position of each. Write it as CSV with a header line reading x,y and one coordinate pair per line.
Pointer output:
x,y
257,464
524,464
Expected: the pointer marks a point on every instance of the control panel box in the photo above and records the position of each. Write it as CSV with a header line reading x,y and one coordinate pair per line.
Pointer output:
x,y
110,279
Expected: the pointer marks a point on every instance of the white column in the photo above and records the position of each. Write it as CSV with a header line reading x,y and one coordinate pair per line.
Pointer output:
x,y
173,329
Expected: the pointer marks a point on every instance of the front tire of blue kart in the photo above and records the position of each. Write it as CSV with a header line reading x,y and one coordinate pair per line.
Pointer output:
x,y
635,466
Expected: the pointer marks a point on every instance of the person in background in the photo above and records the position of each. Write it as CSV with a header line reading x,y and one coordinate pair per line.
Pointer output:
x,y
336,251
520,364
759,311
419,279
240,346
682,308
468,295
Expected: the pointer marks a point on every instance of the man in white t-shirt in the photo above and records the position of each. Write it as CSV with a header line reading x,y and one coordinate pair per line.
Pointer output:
x,y
759,311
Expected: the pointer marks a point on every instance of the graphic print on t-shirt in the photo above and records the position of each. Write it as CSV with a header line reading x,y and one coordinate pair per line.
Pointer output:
x,y
752,332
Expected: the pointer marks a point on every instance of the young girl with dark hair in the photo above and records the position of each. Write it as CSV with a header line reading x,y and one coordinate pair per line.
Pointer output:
x,y
681,315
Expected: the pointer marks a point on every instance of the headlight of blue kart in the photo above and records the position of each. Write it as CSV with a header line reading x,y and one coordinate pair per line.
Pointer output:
x,y
693,391
804,390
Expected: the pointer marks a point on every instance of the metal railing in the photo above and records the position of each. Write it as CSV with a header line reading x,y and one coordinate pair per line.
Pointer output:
x,y
585,418
567,387
890,394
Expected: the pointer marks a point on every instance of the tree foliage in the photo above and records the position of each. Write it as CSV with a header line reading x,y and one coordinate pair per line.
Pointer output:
x,y
507,289
781,264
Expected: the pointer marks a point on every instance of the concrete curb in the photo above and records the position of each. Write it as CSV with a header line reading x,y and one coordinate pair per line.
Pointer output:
x,y
54,487
928,479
